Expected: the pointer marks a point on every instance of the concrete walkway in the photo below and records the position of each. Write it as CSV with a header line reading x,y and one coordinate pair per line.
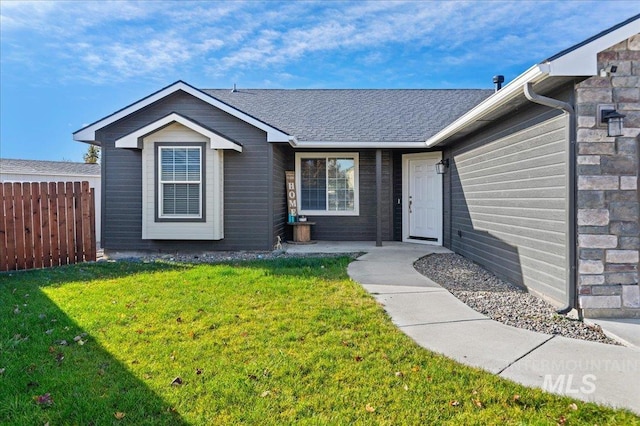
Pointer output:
x,y
438,321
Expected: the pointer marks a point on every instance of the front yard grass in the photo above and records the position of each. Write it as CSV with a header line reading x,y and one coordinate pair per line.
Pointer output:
x,y
288,341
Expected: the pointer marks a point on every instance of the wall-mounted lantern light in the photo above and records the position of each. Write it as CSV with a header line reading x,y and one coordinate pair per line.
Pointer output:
x,y
613,119
442,166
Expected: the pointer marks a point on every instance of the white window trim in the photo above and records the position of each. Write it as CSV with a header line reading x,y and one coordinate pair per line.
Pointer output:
x,y
161,183
356,183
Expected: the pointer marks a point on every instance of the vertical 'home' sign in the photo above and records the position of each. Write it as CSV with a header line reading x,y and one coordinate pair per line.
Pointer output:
x,y
292,202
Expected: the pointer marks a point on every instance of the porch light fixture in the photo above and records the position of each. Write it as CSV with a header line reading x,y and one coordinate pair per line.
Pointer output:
x,y
613,119
442,166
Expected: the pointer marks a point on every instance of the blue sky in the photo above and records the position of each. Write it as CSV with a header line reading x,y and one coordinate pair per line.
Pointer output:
x,y
66,64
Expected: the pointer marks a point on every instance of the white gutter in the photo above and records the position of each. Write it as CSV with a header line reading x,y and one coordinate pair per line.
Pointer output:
x,y
579,60
294,142
509,92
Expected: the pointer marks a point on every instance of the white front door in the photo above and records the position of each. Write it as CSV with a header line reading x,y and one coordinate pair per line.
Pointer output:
x,y
423,200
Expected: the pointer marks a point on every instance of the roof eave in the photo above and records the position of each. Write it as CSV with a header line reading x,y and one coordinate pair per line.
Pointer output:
x,y
294,142
88,133
577,61
489,105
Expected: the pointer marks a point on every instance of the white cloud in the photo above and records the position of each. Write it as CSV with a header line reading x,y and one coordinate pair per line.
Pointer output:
x,y
112,41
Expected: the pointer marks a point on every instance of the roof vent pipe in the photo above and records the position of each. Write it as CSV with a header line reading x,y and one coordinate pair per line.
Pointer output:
x,y
498,80
234,88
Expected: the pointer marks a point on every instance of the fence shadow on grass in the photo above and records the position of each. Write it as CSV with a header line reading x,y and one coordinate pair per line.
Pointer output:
x,y
44,353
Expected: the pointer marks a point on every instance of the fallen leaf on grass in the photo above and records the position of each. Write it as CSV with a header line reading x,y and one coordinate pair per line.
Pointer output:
x,y
358,358
369,408
119,415
477,403
44,401
454,403
265,394
178,319
415,368
49,331
573,406
399,374
562,420
198,371
177,381
516,398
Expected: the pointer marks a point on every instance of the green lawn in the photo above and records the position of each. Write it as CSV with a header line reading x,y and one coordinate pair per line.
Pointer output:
x,y
290,341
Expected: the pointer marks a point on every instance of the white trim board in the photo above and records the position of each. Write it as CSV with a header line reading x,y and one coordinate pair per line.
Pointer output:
x,y
88,133
436,155
134,139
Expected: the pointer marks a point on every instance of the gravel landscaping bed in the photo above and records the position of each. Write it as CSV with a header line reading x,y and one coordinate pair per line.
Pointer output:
x,y
502,301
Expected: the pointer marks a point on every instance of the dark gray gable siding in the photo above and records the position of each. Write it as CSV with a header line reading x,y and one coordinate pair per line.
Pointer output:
x,y
506,199
247,217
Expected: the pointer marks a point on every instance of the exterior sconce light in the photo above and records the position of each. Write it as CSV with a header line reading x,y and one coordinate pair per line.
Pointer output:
x,y
442,166
613,119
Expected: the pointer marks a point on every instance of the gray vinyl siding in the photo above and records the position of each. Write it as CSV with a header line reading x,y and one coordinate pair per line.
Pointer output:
x,y
247,214
506,200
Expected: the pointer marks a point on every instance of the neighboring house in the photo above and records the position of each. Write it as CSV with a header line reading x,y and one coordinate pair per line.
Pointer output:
x,y
54,171
190,169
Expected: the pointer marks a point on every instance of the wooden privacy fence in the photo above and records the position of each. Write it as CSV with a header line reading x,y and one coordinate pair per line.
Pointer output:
x,y
46,224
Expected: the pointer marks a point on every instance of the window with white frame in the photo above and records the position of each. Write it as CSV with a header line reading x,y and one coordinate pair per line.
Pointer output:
x,y
327,183
180,182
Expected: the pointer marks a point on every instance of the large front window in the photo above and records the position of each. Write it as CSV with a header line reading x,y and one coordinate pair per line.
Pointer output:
x,y
180,177
328,183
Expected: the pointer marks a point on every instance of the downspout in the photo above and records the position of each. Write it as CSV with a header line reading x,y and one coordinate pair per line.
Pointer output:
x,y
571,196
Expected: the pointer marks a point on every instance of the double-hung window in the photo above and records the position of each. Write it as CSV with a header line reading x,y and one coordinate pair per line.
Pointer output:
x,y
180,182
327,183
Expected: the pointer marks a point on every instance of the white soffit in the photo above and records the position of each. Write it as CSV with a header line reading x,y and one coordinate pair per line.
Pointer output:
x,y
578,61
88,133
134,139
583,60
489,105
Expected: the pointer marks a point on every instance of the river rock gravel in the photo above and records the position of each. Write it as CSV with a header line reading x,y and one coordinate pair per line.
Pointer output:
x,y
502,301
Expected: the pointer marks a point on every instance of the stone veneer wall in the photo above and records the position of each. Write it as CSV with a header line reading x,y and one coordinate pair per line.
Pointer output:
x,y
608,207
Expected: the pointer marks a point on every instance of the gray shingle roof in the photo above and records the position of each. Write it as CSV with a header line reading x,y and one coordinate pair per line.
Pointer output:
x,y
355,115
37,167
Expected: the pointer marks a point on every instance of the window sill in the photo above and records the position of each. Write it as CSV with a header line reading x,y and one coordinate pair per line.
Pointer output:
x,y
310,213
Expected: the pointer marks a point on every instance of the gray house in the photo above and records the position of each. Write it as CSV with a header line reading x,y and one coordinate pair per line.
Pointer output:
x,y
533,188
